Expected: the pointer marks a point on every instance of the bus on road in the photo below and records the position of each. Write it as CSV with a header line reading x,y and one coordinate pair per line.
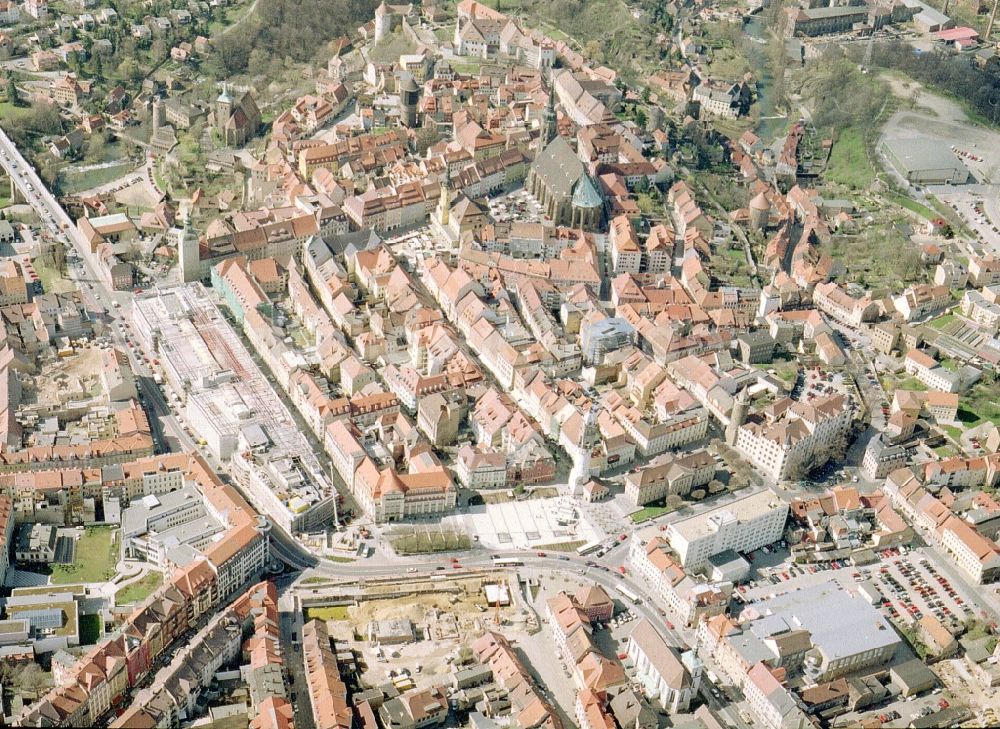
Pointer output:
x,y
588,547
628,594
507,562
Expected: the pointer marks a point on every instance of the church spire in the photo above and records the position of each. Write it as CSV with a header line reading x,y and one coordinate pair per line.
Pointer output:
x,y
548,127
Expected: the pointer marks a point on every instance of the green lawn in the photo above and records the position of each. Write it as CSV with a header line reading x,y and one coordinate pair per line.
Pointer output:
x,y
650,512
429,542
942,321
953,431
70,183
849,163
333,612
52,280
981,404
91,629
911,383
139,591
561,546
914,207
96,557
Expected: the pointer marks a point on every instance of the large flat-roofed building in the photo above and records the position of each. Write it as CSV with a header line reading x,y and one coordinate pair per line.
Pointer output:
x,y
743,525
156,528
923,163
233,408
846,632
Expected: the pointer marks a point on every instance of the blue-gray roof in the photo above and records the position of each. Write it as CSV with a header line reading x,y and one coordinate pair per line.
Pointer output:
x,y
585,195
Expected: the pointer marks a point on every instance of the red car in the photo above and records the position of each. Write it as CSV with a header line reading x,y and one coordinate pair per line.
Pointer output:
x,y
622,570
541,554
943,703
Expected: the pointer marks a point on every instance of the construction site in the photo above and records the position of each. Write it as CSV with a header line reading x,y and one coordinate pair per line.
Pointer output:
x,y
418,633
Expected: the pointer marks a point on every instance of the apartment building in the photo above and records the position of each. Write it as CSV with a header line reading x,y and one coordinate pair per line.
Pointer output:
x,y
116,376
774,705
675,474
789,438
691,599
626,253
328,694
743,525
922,300
984,271
831,299
982,311
926,369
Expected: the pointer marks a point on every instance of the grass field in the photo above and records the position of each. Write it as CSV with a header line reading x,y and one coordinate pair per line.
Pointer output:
x,y
561,546
914,207
429,542
139,591
96,557
91,627
333,612
953,431
942,321
52,280
650,512
70,183
849,164
981,403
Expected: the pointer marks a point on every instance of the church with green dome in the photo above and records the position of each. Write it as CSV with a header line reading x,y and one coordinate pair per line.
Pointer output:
x,y
568,195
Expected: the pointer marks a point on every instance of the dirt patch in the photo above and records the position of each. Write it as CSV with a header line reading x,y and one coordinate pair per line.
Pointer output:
x,y
70,377
447,617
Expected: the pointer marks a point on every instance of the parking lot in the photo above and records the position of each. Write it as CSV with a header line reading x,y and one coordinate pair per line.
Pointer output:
x,y
972,204
819,382
914,588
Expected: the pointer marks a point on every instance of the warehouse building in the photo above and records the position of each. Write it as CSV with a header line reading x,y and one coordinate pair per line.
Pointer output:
x,y
922,162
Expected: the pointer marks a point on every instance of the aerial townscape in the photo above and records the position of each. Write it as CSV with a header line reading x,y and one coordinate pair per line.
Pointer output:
x,y
515,364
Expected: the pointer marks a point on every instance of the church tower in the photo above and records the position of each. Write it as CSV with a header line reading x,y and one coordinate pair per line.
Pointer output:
x,y
223,108
444,204
189,250
590,437
548,127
